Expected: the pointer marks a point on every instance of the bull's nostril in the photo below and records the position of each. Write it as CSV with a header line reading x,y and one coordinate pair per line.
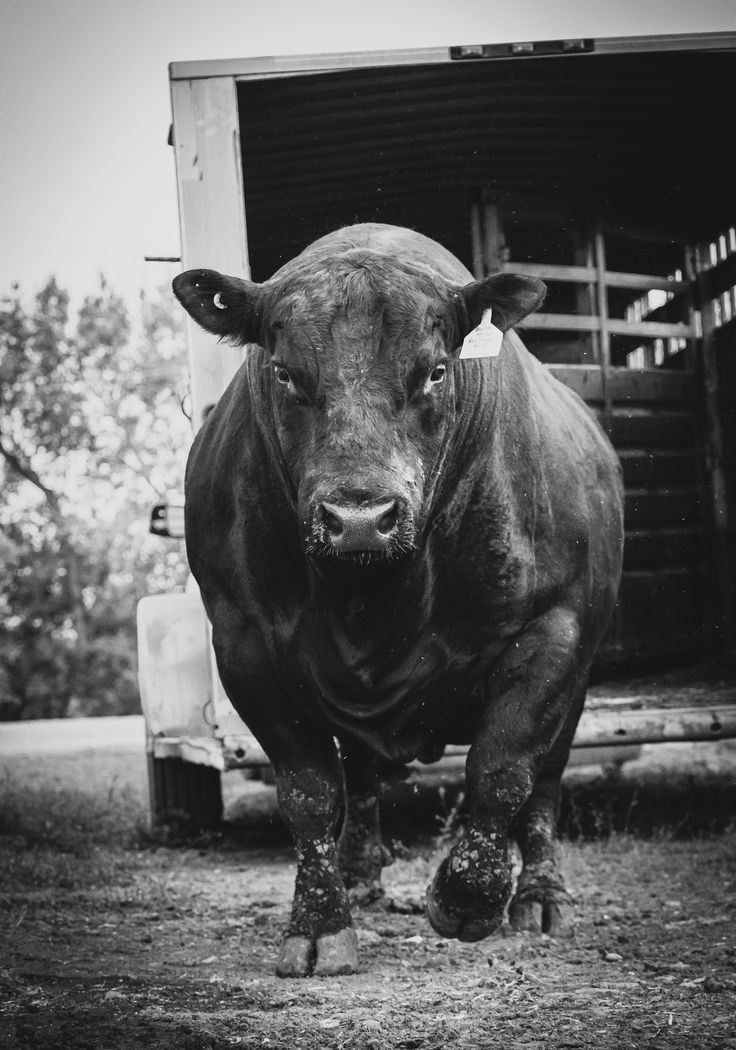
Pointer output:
x,y
332,523
358,526
388,520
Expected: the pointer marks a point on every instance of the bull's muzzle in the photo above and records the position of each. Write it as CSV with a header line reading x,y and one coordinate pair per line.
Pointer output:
x,y
377,528
351,527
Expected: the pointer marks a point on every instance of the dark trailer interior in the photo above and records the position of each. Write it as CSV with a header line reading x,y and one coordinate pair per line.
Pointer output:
x,y
601,167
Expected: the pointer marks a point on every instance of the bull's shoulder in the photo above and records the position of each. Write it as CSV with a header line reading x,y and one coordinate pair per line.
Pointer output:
x,y
231,431
560,411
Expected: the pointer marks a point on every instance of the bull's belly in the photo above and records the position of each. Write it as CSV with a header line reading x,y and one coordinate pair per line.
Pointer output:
x,y
416,727
398,720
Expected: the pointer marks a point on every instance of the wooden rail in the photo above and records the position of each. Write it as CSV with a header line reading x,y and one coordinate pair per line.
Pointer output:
x,y
589,275
615,325
603,279
598,728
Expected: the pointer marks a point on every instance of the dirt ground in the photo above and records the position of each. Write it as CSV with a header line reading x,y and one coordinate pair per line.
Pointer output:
x,y
113,940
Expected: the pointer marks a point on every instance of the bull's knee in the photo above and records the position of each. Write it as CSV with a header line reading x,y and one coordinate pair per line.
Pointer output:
x,y
563,628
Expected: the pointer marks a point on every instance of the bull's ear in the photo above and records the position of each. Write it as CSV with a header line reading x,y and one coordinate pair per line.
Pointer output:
x,y
511,296
225,306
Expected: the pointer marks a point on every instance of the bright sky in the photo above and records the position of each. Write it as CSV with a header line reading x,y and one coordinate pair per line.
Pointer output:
x,y
87,179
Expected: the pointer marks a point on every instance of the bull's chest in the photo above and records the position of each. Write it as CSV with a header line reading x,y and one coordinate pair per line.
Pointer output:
x,y
396,665
393,686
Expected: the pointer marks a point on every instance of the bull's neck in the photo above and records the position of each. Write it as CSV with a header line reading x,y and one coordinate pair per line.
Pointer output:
x,y
480,392
363,603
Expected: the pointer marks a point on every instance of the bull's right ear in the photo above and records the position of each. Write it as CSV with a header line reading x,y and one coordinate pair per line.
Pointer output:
x,y
511,296
226,306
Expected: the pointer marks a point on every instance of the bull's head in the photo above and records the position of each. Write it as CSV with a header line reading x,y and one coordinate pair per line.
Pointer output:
x,y
362,384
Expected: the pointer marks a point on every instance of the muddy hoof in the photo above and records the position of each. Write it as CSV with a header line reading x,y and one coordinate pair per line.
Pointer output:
x,y
541,903
296,956
469,892
363,894
549,916
460,927
331,955
337,953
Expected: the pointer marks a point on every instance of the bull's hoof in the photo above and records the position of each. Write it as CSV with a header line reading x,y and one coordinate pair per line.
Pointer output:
x,y
452,924
363,894
330,955
296,956
551,917
469,891
541,903
337,953
361,865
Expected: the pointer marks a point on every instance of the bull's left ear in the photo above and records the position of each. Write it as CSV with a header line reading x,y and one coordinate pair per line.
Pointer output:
x,y
511,296
226,306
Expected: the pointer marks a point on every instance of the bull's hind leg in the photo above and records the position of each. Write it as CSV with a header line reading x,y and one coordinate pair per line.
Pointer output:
x,y
361,852
541,903
531,691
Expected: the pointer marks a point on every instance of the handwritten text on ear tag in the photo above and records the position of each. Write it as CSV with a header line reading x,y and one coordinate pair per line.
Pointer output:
x,y
483,341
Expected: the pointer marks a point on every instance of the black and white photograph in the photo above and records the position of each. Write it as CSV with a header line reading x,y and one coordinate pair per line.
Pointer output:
x,y
367,525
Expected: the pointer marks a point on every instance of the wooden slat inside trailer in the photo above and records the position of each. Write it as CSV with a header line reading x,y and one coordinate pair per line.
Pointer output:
x,y
665,602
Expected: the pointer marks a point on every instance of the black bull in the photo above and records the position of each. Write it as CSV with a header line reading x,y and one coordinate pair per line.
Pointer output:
x,y
398,549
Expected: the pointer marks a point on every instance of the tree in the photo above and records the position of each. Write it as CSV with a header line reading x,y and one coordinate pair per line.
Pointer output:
x,y
92,432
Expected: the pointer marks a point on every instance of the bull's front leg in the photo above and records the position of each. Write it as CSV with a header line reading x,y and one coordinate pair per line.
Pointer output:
x,y
529,695
320,938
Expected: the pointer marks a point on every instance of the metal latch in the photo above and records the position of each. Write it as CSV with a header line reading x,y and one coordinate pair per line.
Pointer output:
x,y
524,48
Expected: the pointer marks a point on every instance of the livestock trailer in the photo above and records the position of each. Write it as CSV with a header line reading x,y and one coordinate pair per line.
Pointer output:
x,y
599,165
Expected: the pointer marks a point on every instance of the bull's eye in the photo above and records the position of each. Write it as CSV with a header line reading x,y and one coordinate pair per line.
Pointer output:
x,y
283,378
435,378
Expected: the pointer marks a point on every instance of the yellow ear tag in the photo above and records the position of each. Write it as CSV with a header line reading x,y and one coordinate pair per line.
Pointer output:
x,y
483,341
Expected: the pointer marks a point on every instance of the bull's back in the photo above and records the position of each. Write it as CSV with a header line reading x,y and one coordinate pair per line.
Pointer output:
x,y
396,242
560,408
582,479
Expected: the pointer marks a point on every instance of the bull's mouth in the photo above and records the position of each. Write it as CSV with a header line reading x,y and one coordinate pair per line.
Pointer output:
x,y
326,552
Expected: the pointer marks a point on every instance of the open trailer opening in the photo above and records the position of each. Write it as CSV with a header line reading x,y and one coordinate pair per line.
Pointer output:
x,y
599,166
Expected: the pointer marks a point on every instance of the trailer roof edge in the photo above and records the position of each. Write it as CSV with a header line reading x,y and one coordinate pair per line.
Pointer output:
x,y
285,65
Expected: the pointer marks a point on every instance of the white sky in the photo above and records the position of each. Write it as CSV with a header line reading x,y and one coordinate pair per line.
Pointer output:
x,y
86,178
